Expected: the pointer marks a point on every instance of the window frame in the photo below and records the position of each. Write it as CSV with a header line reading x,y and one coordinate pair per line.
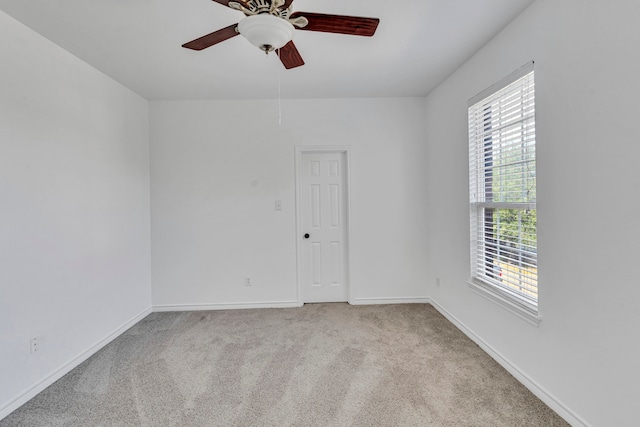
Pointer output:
x,y
481,282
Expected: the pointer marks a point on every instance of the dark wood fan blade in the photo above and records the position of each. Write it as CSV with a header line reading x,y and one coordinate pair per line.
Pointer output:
x,y
213,38
290,56
340,24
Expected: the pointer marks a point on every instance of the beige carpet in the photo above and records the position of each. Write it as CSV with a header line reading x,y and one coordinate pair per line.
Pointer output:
x,y
319,365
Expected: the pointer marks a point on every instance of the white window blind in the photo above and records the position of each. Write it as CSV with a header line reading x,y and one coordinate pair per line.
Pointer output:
x,y
502,189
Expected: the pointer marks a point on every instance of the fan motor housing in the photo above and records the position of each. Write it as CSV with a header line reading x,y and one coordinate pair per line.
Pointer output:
x,y
264,6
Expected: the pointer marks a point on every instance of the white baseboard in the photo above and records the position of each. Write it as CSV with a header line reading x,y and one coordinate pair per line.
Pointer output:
x,y
568,415
225,306
59,373
281,304
406,300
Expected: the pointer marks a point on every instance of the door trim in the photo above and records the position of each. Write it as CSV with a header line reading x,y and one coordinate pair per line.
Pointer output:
x,y
309,149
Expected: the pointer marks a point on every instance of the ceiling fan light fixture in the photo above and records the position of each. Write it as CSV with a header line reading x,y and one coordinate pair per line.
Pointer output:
x,y
266,31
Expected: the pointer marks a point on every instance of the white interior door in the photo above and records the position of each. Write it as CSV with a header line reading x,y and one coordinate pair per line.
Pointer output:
x,y
322,228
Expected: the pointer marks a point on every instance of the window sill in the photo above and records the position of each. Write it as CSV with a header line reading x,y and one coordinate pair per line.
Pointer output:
x,y
494,295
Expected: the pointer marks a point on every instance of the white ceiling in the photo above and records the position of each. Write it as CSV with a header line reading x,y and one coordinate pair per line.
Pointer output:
x,y
138,43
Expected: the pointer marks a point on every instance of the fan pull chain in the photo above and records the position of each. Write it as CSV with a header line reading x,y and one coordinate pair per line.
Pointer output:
x,y
279,104
279,97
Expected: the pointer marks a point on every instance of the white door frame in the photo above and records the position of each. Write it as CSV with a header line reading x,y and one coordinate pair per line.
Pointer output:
x,y
307,149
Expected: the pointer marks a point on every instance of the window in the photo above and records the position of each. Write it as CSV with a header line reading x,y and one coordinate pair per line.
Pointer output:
x,y
502,192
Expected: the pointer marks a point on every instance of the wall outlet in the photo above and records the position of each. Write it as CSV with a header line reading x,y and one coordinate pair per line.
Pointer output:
x,y
438,282
247,280
34,344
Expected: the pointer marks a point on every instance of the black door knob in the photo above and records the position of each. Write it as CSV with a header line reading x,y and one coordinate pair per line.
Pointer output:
x,y
306,236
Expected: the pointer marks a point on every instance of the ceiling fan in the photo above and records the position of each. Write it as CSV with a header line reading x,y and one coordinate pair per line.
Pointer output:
x,y
270,24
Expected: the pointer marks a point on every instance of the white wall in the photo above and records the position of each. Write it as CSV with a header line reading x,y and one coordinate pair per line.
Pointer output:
x,y
217,168
74,217
585,352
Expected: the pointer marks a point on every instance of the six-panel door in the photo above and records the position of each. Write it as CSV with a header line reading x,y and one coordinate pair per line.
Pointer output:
x,y
323,214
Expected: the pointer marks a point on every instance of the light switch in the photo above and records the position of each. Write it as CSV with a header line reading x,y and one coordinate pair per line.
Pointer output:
x,y
278,205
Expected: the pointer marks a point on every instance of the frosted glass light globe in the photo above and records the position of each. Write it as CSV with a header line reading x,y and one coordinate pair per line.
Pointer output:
x,y
266,31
